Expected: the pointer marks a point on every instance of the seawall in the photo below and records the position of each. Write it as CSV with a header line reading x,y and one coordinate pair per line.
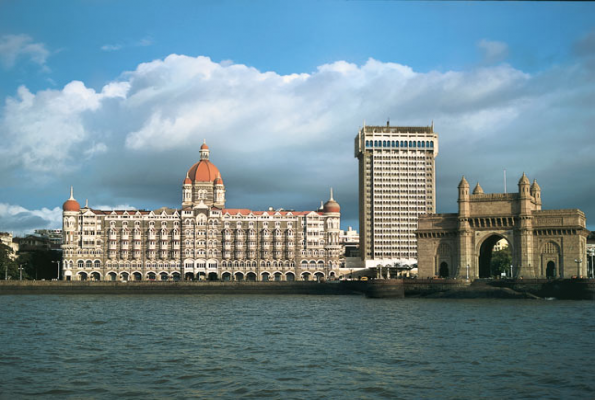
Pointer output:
x,y
571,289
145,287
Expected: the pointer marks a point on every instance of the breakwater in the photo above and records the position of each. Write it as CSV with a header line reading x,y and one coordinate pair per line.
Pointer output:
x,y
571,289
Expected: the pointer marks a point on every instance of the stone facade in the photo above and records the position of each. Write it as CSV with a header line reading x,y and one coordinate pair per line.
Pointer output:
x,y
544,243
201,240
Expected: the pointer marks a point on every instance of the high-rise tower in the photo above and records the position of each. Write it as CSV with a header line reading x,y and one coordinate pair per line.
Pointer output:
x,y
396,184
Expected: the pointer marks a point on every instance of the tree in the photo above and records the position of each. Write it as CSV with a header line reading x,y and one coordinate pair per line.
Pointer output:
x,y
501,261
6,262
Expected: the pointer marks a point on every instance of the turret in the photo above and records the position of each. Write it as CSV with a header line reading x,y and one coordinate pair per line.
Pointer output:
x,y
204,151
478,189
524,194
536,193
187,191
219,192
463,198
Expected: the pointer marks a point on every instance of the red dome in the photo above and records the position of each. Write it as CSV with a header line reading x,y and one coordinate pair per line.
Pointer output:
x,y
218,181
187,181
332,206
204,147
71,205
203,171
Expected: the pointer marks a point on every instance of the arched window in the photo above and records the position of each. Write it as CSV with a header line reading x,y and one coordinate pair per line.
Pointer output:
x,y
89,264
97,264
81,264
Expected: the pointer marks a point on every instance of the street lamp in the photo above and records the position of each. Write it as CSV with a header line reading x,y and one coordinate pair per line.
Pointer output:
x,y
21,272
510,271
467,271
578,267
591,271
58,269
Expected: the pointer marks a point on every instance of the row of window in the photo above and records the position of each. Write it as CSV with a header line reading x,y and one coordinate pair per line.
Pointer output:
x,y
400,143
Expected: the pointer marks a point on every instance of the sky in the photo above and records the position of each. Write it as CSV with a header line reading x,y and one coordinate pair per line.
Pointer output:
x,y
116,97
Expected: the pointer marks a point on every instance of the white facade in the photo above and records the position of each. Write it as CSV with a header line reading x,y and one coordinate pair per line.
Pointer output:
x,y
396,184
201,241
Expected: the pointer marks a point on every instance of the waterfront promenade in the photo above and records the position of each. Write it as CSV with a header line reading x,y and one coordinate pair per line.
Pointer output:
x,y
575,289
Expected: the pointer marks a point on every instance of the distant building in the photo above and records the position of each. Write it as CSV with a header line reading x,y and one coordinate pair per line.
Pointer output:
x,y
501,245
31,243
396,185
349,241
53,235
543,243
7,240
202,239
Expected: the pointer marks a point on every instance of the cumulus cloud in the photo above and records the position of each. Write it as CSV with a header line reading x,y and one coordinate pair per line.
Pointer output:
x,y
493,51
282,140
15,47
17,219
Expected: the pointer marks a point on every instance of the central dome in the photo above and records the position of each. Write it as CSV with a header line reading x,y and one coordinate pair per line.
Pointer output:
x,y
203,171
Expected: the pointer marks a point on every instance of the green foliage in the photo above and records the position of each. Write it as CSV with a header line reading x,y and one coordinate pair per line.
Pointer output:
x,y
36,264
6,262
501,261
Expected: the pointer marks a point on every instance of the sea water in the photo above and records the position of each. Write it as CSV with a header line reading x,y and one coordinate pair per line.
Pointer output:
x,y
293,347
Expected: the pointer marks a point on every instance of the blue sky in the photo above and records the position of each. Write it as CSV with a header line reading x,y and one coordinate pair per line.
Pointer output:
x,y
115,97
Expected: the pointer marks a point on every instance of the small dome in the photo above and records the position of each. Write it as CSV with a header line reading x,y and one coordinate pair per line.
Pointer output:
x,y
71,204
463,182
218,180
331,206
535,186
204,147
478,189
187,180
524,180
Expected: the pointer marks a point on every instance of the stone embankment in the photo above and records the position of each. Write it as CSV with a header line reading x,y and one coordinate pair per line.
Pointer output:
x,y
574,289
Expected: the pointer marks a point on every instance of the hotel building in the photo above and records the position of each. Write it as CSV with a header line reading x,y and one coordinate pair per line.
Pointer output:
x,y
397,183
202,239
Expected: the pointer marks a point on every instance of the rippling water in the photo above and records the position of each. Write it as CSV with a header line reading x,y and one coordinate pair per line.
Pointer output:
x,y
301,347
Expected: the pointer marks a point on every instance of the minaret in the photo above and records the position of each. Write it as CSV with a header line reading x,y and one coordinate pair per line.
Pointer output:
x,y
524,194
219,192
536,193
478,189
465,234
527,265
187,191
463,198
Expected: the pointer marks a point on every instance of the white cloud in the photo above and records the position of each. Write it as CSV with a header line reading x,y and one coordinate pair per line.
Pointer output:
x,y
14,47
119,46
493,51
272,133
20,220
111,47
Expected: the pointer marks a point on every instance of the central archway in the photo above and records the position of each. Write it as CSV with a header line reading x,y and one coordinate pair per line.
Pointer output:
x,y
487,269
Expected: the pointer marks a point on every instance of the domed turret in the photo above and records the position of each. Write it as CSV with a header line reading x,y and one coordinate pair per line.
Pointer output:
x,y
218,180
71,205
331,206
463,183
204,170
478,189
203,184
524,180
535,187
